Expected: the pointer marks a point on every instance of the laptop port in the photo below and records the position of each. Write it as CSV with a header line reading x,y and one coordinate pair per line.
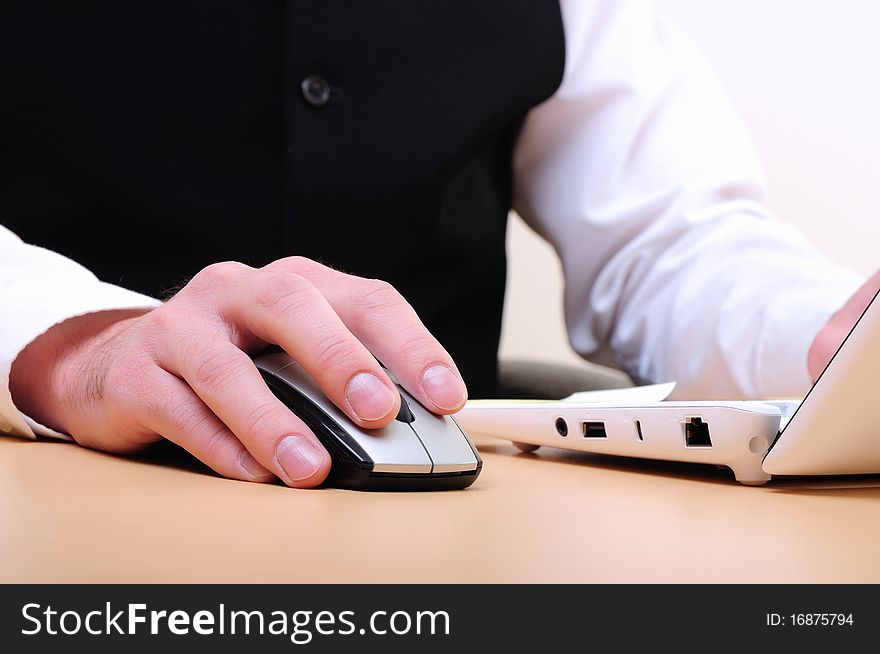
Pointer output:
x,y
639,434
594,430
696,433
561,427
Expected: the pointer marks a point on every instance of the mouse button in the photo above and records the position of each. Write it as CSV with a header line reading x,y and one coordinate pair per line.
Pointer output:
x,y
294,375
336,437
394,449
447,445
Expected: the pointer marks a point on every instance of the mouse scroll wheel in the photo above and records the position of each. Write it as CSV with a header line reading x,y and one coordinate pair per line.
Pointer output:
x,y
405,414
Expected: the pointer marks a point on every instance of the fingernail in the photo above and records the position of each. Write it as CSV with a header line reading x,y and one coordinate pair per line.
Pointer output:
x,y
369,398
252,466
298,457
443,387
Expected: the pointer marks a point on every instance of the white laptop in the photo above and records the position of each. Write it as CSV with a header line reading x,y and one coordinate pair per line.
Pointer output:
x,y
833,431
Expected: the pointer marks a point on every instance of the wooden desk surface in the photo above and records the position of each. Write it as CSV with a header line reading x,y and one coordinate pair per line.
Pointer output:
x,y
72,515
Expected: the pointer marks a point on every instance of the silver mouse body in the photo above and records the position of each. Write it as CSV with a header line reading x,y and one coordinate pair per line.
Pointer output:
x,y
422,451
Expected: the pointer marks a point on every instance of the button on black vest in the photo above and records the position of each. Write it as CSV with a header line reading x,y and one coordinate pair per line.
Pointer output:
x,y
149,139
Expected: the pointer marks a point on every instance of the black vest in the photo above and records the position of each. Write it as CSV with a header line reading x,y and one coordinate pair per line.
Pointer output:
x,y
148,139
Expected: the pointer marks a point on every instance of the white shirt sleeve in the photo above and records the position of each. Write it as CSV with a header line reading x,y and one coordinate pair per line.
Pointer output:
x,y
38,289
644,180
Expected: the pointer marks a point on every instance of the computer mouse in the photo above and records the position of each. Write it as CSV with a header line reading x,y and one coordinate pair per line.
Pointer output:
x,y
419,450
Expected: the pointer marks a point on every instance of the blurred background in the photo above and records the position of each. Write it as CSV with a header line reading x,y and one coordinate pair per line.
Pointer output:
x,y
803,75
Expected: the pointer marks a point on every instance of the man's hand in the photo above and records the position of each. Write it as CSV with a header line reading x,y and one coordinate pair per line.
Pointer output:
x,y
841,323
118,380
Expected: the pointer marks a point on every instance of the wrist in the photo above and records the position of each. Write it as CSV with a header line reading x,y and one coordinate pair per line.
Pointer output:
x,y
50,377
835,331
825,344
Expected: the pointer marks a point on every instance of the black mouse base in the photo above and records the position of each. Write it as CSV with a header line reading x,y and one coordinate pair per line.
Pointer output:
x,y
365,480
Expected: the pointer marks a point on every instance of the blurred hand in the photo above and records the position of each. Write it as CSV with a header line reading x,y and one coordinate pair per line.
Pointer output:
x,y
119,380
839,326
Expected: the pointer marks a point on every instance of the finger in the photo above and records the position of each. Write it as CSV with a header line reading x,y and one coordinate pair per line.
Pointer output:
x,y
176,413
380,318
288,310
227,381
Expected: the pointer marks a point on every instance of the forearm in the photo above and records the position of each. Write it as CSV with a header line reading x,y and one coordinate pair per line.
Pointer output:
x,y
643,178
731,309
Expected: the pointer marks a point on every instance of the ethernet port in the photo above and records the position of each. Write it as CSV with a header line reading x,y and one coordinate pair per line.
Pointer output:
x,y
696,433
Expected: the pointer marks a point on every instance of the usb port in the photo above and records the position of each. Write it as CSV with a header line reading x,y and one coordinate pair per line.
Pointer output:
x,y
696,433
594,429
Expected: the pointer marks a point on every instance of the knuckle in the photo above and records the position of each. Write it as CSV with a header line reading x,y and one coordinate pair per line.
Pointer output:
x,y
216,440
218,274
295,264
417,348
261,423
185,321
283,293
334,351
378,295
166,317
212,367
378,304
179,408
